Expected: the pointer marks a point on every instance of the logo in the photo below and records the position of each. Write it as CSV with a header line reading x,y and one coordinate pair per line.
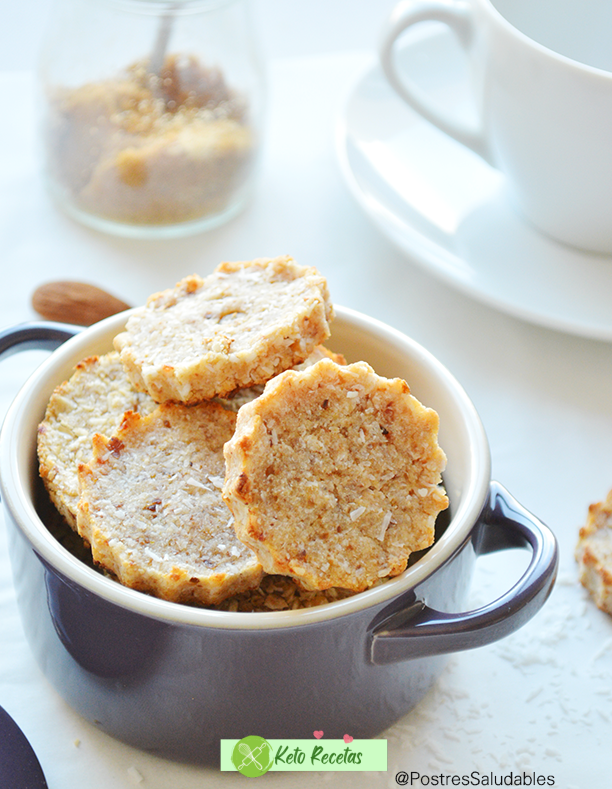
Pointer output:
x,y
252,756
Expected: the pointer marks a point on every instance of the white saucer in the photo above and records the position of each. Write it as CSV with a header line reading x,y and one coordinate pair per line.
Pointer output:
x,y
446,208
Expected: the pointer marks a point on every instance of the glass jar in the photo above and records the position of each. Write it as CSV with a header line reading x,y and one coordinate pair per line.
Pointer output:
x,y
152,112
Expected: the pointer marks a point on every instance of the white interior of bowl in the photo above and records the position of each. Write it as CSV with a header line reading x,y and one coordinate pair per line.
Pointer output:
x,y
358,337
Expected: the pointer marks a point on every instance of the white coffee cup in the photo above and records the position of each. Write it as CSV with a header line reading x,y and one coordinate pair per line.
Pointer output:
x,y
543,92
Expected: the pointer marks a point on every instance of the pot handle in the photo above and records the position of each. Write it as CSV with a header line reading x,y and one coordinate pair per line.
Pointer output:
x,y
35,335
425,632
40,335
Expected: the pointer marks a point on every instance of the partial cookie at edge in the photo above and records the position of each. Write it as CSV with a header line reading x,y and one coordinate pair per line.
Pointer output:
x,y
594,553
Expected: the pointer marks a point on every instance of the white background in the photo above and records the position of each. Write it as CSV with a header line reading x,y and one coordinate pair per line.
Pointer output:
x,y
287,28
539,700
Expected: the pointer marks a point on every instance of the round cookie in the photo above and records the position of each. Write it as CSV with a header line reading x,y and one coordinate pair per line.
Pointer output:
x,y
151,506
236,328
93,400
333,476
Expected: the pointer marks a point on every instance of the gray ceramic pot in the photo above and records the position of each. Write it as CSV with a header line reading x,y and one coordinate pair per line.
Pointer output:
x,y
174,679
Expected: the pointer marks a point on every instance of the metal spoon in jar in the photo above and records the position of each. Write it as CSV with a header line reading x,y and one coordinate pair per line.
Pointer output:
x,y
158,55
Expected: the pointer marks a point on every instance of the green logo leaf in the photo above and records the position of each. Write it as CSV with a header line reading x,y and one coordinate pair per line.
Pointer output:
x,y
252,756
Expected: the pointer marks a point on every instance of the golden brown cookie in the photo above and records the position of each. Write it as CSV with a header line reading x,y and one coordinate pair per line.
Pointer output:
x,y
236,328
93,400
152,511
594,553
333,476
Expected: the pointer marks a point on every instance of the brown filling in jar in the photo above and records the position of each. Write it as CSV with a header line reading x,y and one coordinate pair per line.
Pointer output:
x,y
150,150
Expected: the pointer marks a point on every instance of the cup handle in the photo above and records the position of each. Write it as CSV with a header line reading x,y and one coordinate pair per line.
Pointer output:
x,y
40,335
425,632
458,15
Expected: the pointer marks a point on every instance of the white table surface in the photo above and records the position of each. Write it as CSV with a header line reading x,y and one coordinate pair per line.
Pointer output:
x,y
539,700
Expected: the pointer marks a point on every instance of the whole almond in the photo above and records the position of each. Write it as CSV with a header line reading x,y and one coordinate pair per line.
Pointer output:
x,y
78,303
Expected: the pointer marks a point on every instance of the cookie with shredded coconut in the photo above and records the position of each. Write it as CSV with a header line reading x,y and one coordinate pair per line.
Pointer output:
x,y
333,476
93,400
320,352
151,506
236,328
594,553
237,399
